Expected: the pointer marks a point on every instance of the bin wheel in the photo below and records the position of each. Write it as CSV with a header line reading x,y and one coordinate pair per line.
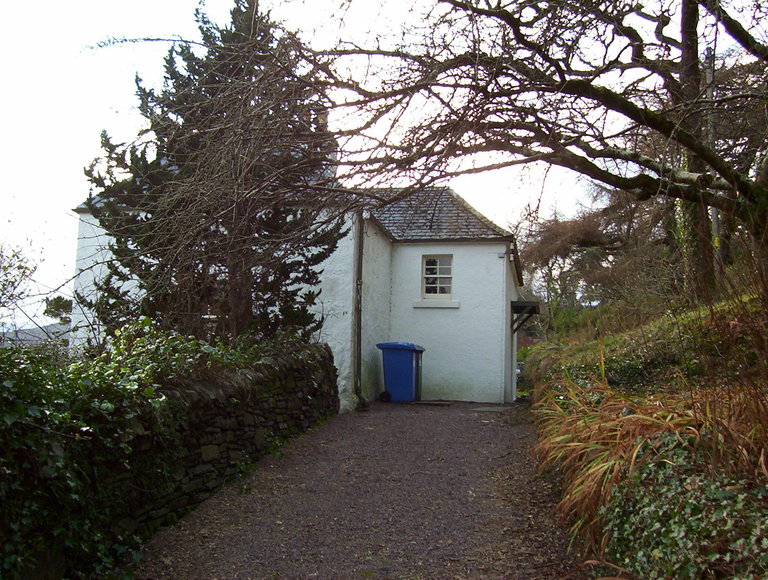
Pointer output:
x,y
385,397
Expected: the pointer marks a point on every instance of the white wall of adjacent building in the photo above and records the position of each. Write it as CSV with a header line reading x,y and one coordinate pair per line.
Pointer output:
x,y
376,306
92,256
336,304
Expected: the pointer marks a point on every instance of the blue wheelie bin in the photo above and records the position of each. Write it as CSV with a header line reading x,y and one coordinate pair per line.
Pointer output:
x,y
402,370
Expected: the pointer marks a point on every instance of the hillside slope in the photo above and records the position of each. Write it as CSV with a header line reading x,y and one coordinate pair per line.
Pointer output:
x,y
659,437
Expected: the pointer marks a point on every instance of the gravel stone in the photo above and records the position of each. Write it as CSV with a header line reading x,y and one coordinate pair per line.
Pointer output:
x,y
400,491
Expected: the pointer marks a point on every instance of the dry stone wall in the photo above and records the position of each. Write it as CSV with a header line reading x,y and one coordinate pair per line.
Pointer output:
x,y
206,433
221,425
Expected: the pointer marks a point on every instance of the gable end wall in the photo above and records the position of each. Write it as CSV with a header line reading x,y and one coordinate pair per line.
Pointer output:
x,y
467,354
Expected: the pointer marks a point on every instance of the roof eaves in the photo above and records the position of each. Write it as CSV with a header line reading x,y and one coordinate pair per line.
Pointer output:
x,y
517,262
372,216
438,240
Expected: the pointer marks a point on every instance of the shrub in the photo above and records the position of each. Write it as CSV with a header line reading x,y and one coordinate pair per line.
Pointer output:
x,y
68,428
60,427
596,439
592,436
674,519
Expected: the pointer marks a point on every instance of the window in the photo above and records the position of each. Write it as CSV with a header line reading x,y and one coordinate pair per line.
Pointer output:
x,y
437,277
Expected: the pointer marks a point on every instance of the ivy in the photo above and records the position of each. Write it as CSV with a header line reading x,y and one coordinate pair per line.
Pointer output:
x,y
68,427
674,519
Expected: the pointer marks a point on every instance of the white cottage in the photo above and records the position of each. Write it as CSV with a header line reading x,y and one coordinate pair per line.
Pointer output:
x,y
428,269
432,271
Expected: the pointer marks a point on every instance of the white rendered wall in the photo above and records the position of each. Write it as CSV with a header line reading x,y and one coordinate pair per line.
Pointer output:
x,y
92,256
335,304
91,265
377,291
510,340
468,353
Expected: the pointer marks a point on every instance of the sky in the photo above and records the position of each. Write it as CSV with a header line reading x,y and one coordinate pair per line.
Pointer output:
x,y
60,90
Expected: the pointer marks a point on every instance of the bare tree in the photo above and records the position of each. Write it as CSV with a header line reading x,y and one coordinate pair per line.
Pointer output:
x,y
15,274
618,255
612,90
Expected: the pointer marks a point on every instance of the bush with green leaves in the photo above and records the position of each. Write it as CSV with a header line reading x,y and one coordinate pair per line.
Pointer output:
x,y
674,518
67,428
62,426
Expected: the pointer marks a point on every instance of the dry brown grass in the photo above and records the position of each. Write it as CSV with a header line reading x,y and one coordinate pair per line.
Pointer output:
x,y
594,437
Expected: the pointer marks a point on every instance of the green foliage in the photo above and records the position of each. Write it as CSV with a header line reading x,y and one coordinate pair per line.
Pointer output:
x,y
45,484
217,215
664,487
60,308
674,519
67,429
670,352
139,356
659,438
591,436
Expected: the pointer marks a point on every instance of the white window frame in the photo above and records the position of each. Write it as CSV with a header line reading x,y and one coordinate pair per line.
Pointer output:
x,y
442,271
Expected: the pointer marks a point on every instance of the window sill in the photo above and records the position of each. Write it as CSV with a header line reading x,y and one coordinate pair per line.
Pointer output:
x,y
435,303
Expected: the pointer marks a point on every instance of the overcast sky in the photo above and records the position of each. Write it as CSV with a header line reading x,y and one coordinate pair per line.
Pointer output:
x,y
59,92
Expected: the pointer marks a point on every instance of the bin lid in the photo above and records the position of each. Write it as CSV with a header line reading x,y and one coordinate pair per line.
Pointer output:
x,y
400,346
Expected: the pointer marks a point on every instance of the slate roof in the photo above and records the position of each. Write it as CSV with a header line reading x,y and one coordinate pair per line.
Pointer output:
x,y
56,332
436,214
84,207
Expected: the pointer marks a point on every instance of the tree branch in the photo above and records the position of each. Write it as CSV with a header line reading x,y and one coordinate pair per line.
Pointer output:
x,y
735,29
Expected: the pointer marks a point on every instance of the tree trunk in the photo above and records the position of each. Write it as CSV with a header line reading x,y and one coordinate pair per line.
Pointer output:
x,y
239,296
699,248
758,223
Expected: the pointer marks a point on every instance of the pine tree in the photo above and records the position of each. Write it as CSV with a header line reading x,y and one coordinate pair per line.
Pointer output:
x,y
220,209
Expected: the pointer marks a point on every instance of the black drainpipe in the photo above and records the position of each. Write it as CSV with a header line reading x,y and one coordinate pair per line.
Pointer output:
x,y
357,309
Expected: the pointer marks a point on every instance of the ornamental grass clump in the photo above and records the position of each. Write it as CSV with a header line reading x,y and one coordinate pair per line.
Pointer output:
x,y
706,446
592,437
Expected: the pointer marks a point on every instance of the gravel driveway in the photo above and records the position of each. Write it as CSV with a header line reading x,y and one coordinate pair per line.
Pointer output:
x,y
400,491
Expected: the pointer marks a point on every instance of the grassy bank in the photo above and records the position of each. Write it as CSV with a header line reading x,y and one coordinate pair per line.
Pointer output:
x,y
659,438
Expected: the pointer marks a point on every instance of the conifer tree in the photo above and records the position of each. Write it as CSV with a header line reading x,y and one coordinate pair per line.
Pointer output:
x,y
219,211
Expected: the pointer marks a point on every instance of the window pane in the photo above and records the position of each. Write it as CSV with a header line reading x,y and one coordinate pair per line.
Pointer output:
x,y
437,281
